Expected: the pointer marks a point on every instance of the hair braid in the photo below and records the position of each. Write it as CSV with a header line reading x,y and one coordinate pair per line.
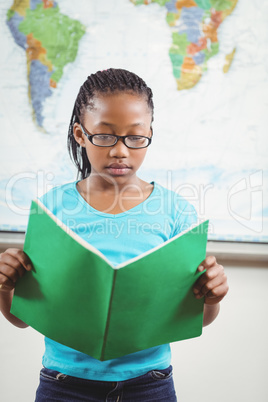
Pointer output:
x,y
107,81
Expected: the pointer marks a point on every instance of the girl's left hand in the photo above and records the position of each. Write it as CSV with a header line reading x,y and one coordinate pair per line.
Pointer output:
x,y
213,283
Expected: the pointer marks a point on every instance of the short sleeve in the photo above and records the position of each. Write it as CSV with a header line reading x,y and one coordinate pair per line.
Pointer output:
x,y
186,218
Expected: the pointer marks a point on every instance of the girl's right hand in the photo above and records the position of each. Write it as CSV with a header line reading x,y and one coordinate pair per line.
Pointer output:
x,y
13,265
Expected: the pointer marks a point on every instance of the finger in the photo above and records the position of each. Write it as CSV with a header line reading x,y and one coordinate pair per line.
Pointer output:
x,y
211,297
6,285
12,273
11,267
209,262
201,268
210,274
198,283
219,291
21,256
217,294
210,284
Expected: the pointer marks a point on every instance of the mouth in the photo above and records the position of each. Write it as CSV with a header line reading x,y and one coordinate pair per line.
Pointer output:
x,y
118,169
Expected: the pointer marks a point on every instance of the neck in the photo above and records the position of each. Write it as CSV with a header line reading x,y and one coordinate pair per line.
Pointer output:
x,y
114,198
101,183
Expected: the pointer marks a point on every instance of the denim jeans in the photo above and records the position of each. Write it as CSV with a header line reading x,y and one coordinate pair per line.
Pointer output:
x,y
156,385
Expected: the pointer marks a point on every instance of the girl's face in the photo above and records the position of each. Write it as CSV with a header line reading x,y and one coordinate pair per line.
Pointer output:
x,y
120,114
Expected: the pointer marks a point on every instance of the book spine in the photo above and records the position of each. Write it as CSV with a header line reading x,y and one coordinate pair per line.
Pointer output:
x,y
108,318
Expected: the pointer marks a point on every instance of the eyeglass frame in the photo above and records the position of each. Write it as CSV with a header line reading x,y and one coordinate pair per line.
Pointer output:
x,y
117,138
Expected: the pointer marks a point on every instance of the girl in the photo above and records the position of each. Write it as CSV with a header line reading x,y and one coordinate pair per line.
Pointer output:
x,y
123,216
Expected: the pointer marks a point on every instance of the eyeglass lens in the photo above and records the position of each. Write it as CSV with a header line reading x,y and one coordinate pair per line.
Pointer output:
x,y
132,141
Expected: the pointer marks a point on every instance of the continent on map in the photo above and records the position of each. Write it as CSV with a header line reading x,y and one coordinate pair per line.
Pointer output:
x,y
194,25
228,61
50,40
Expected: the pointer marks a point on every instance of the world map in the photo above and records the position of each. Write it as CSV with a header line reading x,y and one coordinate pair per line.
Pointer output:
x,y
206,61
51,39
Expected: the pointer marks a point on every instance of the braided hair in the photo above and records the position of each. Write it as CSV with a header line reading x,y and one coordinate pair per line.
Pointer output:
x,y
108,81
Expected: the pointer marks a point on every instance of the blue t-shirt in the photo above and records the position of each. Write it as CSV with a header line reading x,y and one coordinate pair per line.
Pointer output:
x,y
119,237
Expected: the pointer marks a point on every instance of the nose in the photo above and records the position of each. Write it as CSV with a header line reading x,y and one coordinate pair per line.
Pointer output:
x,y
119,150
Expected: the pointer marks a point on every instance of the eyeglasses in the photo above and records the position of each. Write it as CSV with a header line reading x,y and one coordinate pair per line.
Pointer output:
x,y
109,140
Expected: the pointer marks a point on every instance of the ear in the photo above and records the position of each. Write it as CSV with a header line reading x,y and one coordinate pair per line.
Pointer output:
x,y
78,135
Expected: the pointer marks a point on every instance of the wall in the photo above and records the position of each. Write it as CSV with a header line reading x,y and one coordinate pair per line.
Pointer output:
x,y
227,363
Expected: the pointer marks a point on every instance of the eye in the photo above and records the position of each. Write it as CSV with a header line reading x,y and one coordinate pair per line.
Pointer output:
x,y
136,138
104,137
103,140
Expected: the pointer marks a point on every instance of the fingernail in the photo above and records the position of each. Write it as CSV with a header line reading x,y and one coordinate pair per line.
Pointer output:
x,y
195,290
200,268
29,267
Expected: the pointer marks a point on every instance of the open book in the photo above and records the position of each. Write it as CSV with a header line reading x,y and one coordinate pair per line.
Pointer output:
x,y
76,297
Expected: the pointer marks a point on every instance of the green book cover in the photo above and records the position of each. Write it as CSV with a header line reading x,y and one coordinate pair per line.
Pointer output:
x,y
76,297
